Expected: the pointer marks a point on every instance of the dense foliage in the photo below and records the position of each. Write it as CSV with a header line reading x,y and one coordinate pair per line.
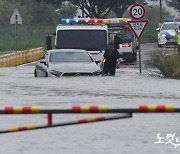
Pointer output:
x,y
98,8
168,64
175,4
38,20
42,16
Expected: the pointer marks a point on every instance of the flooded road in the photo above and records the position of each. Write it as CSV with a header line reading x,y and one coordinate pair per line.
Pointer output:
x,y
128,88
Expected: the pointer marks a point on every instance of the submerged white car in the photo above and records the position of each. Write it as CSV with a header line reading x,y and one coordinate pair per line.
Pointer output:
x,y
66,62
167,33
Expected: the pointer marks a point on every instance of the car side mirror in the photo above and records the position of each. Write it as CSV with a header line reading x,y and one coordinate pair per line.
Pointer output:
x,y
43,61
48,42
97,61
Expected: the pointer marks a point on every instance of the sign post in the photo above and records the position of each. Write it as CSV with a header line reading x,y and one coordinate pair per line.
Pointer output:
x,y
16,19
137,12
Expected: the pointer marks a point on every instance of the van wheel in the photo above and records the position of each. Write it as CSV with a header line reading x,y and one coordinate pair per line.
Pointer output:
x,y
160,45
134,56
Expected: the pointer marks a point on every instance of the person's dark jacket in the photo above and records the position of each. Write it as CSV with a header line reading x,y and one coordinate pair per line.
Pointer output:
x,y
111,57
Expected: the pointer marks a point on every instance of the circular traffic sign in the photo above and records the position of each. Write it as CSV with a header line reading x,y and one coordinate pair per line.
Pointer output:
x,y
137,11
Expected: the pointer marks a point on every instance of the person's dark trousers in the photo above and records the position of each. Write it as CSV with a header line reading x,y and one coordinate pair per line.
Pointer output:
x,y
105,70
112,71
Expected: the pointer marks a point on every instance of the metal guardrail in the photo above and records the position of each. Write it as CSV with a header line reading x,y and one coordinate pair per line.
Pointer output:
x,y
21,57
120,113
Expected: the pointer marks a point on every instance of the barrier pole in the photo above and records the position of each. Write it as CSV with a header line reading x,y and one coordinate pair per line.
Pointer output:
x,y
67,123
89,109
49,116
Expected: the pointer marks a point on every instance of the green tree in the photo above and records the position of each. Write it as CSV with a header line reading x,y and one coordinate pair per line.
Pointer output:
x,y
38,20
98,8
7,10
42,14
101,8
31,12
38,13
66,11
123,5
153,15
174,3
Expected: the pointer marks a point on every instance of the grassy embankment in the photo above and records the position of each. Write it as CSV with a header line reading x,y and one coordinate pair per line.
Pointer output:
x,y
28,37
152,37
167,64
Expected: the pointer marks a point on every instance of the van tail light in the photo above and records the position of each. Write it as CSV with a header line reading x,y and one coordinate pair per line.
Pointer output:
x,y
126,45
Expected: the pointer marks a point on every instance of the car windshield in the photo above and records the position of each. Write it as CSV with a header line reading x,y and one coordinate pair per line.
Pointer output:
x,y
82,39
77,57
124,38
170,26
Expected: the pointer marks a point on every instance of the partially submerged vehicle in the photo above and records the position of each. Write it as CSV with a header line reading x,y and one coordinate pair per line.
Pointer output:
x,y
66,62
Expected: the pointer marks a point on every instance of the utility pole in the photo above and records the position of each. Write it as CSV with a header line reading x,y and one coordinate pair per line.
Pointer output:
x,y
160,8
82,8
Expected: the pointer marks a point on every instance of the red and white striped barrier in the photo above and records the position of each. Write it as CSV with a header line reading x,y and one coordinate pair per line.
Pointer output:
x,y
88,109
67,123
125,113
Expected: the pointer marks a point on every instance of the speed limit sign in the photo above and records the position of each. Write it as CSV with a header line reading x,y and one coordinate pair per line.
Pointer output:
x,y
137,11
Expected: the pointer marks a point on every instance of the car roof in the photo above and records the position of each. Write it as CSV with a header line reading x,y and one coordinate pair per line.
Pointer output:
x,y
67,50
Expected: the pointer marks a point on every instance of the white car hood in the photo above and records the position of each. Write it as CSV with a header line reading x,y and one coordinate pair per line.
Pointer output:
x,y
168,32
74,67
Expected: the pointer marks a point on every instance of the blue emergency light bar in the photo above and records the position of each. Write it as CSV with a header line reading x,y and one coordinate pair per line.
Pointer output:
x,y
96,21
170,19
81,21
68,21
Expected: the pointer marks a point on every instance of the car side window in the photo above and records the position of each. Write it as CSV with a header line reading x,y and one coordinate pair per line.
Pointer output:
x,y
44,56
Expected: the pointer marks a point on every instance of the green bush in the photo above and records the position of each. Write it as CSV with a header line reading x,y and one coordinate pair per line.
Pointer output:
x,y
151,37
27,36
38,19
169,65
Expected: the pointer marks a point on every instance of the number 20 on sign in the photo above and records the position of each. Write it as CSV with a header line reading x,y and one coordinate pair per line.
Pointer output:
x,y
137,11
